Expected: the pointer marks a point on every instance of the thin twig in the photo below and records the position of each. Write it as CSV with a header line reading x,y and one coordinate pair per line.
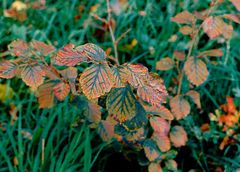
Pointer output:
x,y
111,33
43,149
122,36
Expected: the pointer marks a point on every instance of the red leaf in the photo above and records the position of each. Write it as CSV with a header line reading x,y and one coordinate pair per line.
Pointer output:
x,y
159,111
160,125
7,69
162,141
233,17
154,167
42,48
19,48
61,90
33,75
70,55
195,96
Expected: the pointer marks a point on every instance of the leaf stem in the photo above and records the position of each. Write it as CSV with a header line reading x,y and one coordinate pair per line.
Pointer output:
x,y
111,33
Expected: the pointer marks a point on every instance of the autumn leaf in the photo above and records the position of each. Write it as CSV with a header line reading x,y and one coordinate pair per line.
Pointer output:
x,y
154,167
171,165
151,150
94,52
195,96
178,136
215,26
186,30
211,53
137,135
233,17
159,111
19,48
70,55
196,71
106,130
42,48
70,74
134,74
184,17
45,95
165,64
236,3
154,91
162,141
6,93
180,107
179,55
121,103
8,69
33,75
160,125
61,90
117,78
96,80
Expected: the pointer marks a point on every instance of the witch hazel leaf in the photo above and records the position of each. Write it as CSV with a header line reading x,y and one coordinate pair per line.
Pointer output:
x,y
154,91
160,125
106,130
186,30
215,26
211,53
19,48
154,167
42,48
162,111
180,107
8,69
196,71
151,150
162,141
121,103
117,78
45,95
94,52
96,81
135,74
137,135
184,17
70,55
33,75
61,90
236,3
165,64
234,17
178,136
195,96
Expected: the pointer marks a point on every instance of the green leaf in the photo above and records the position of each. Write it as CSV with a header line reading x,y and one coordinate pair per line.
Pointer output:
x,y
121,103
96,80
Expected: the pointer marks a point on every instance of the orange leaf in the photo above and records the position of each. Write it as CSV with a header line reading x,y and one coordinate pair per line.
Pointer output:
x,y
8,69
33,75
61,90
154,167
179,55
19,48
184,17
96,80
195,96
45,95
94,52
236,3
93,113
180,107
70,55
70,74
160,125
165,64
118,82
233,17
42,48
135,74
162,141
106,130
196,71
159,111
212,53
186,30
178,136
215,26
